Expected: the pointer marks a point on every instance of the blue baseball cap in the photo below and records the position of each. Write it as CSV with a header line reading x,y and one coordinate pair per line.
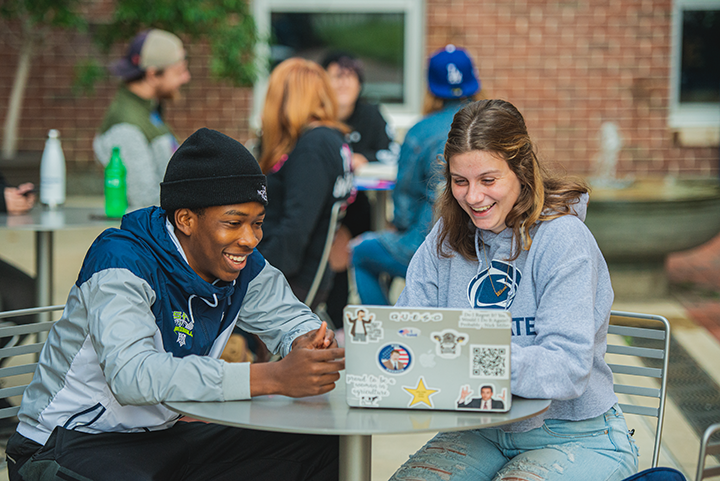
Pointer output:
x,y
451,74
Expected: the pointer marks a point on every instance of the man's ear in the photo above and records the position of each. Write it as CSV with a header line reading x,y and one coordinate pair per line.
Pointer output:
x,y
151,73
185,221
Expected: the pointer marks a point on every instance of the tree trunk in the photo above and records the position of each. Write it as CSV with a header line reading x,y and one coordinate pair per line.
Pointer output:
x,y
17,94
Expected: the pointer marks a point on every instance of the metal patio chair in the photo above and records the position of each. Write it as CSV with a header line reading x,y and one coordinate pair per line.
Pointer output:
x,y
15,378
656,334
708,448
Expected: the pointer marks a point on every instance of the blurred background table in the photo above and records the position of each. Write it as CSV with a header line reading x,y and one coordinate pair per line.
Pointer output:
x,y
378,180
45,222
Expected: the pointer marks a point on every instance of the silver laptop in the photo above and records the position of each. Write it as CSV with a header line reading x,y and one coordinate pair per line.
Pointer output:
x,y
421,358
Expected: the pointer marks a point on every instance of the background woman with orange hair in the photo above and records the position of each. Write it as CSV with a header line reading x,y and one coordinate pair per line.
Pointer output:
x,y
308,164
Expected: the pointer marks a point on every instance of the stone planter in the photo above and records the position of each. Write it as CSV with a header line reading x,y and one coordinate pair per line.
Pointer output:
x,y
637,227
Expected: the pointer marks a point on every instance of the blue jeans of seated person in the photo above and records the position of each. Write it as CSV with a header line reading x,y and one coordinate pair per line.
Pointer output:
x,y
370,259
597,449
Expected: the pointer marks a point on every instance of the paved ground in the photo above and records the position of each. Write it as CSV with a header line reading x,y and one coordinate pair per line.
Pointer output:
x,y
693,307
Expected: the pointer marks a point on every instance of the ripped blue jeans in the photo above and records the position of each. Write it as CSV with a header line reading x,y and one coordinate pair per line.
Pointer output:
x,y
597,449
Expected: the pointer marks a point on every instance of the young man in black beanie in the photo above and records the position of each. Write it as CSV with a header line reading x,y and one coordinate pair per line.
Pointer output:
x,y
151,311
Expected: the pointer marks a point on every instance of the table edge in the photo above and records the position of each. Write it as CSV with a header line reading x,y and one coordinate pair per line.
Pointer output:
x,y
358,432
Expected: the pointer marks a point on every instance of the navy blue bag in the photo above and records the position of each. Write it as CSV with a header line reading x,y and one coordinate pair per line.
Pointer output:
x,y
657,474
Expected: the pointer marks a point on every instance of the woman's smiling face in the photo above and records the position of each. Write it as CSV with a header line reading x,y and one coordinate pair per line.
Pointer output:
x,y
485,187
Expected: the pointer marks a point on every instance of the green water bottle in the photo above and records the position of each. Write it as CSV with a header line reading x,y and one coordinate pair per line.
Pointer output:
x,y
115,186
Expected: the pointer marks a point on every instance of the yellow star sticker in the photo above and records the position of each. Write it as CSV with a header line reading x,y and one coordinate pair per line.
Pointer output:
x,y
420,394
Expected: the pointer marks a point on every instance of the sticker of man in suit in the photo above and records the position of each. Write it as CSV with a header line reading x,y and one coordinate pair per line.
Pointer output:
x,y
485,402
394,358
394,363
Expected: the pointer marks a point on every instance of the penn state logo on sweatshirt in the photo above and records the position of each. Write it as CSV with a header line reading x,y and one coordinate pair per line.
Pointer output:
x,y
494,287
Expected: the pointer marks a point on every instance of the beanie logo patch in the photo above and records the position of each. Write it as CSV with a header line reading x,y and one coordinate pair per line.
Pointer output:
x,y
262,192
454,76
183,327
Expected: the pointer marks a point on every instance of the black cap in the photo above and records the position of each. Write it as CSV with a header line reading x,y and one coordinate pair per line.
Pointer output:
x,y
211,169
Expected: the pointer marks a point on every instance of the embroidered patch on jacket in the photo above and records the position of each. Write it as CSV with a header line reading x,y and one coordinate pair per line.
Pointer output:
x,y
183,327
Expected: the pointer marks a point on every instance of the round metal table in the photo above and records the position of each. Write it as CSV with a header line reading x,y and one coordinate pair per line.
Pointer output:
x,y
329,414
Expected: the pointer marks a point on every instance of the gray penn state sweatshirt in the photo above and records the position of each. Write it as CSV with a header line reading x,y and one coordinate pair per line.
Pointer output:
x,y
559,295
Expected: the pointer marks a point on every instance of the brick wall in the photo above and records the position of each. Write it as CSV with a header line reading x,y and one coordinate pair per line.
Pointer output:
x,y
571,65
50,101
567,65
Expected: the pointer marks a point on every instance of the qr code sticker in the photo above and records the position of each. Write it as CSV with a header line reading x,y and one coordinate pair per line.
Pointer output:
x,y
492,362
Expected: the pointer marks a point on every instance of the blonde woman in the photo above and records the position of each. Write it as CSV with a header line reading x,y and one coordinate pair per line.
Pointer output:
x,y
308,164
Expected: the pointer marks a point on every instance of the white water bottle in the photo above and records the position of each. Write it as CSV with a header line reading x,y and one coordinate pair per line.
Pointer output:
x,y
52,172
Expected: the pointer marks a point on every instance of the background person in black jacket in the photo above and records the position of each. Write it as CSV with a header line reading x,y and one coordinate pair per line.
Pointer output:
x,y
372,140
307,161
17,289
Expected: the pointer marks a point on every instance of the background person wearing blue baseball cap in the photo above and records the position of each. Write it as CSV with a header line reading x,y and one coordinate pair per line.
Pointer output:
x,y
452,83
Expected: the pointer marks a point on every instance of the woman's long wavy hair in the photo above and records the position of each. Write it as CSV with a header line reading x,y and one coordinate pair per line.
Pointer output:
x,y
299,94
496,126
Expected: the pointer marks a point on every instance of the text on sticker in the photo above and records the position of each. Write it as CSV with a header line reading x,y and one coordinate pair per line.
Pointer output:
x,y
416,316
487,319
369,385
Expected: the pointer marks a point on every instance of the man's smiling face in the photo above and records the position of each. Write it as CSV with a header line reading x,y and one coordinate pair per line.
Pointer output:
x,y
219,239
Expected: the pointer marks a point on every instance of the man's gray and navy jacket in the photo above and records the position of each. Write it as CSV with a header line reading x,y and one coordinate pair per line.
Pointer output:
x,y
141,327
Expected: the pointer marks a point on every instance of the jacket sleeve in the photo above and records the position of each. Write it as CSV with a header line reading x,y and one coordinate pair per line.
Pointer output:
x,y
271,310
415,194
421,280
143,180
308,183
570,319
126,340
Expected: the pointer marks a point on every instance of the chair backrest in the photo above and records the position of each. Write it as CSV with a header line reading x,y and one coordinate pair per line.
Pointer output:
x,y
332,228
708,448
645,340
14,378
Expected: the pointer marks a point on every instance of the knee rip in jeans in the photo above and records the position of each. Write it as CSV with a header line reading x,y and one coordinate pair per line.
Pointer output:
x,y
528,470
434,461
448,443
524,471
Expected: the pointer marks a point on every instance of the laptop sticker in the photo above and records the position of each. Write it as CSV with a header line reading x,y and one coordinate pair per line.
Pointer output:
x,y
369,389
420,394
409,332
364,327
395,358
489,361
484,319
448,343
415,316
487,400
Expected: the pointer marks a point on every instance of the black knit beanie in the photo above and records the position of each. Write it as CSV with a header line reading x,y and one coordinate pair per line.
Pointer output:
x,y
211,169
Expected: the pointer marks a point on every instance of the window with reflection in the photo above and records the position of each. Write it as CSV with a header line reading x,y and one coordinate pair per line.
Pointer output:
x,y
695,72
377,39
700,57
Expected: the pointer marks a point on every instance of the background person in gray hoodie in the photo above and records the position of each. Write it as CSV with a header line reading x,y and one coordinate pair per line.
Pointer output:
x,y
510,236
